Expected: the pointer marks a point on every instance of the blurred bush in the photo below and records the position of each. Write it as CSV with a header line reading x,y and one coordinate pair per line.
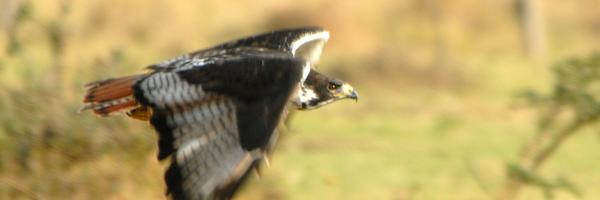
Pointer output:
x,y
573,104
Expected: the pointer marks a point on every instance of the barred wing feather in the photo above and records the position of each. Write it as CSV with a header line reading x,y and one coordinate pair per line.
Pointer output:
x,y
215,119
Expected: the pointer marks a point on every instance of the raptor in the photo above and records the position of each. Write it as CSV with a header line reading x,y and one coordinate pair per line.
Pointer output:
x,y
217,110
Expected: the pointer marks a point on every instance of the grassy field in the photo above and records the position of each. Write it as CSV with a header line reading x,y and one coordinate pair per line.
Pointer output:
x,y
438,117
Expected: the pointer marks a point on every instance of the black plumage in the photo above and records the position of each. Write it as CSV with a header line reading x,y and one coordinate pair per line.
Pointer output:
x,y
216,110
258,84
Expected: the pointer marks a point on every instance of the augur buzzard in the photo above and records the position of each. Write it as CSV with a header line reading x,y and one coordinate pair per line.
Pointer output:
x,y
216,110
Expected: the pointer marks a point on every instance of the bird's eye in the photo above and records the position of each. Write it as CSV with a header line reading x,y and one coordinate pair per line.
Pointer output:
x,y
333,86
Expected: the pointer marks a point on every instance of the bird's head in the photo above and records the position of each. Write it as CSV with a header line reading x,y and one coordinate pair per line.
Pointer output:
x,y
319,90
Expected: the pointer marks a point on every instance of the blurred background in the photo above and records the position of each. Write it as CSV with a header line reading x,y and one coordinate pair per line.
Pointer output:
x,y
459,99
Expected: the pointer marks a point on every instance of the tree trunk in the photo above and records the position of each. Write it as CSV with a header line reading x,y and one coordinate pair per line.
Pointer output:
x,y
531,20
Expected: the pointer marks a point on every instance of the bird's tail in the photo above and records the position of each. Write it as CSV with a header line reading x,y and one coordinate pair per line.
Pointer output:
x,y
114,95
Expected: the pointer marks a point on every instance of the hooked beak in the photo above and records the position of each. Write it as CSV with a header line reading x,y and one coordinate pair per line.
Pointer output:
x,y
353,95
349,92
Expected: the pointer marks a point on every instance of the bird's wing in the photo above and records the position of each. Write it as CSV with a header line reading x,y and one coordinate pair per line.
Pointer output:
x,y
215,117
306,42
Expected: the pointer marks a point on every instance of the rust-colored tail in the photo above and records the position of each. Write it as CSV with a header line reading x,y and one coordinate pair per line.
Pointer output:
x,y
112,95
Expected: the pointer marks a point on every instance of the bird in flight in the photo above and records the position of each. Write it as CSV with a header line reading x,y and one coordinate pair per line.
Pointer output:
x,y
217,110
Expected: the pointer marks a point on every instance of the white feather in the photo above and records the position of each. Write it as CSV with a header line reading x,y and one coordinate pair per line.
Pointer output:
x,y
323,35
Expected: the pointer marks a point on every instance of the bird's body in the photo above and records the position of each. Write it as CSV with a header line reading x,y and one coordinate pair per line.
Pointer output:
x,y
216,110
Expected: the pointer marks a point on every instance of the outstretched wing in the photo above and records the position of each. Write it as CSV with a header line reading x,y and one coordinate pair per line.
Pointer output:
x,y
215,116
305,42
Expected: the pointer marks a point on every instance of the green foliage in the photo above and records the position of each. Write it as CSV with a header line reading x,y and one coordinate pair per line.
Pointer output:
x,y
576,89
578,86
548,186
574,103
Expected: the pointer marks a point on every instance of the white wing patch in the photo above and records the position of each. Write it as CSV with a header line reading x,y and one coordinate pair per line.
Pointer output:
x,y
310,46
323,35
305,71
